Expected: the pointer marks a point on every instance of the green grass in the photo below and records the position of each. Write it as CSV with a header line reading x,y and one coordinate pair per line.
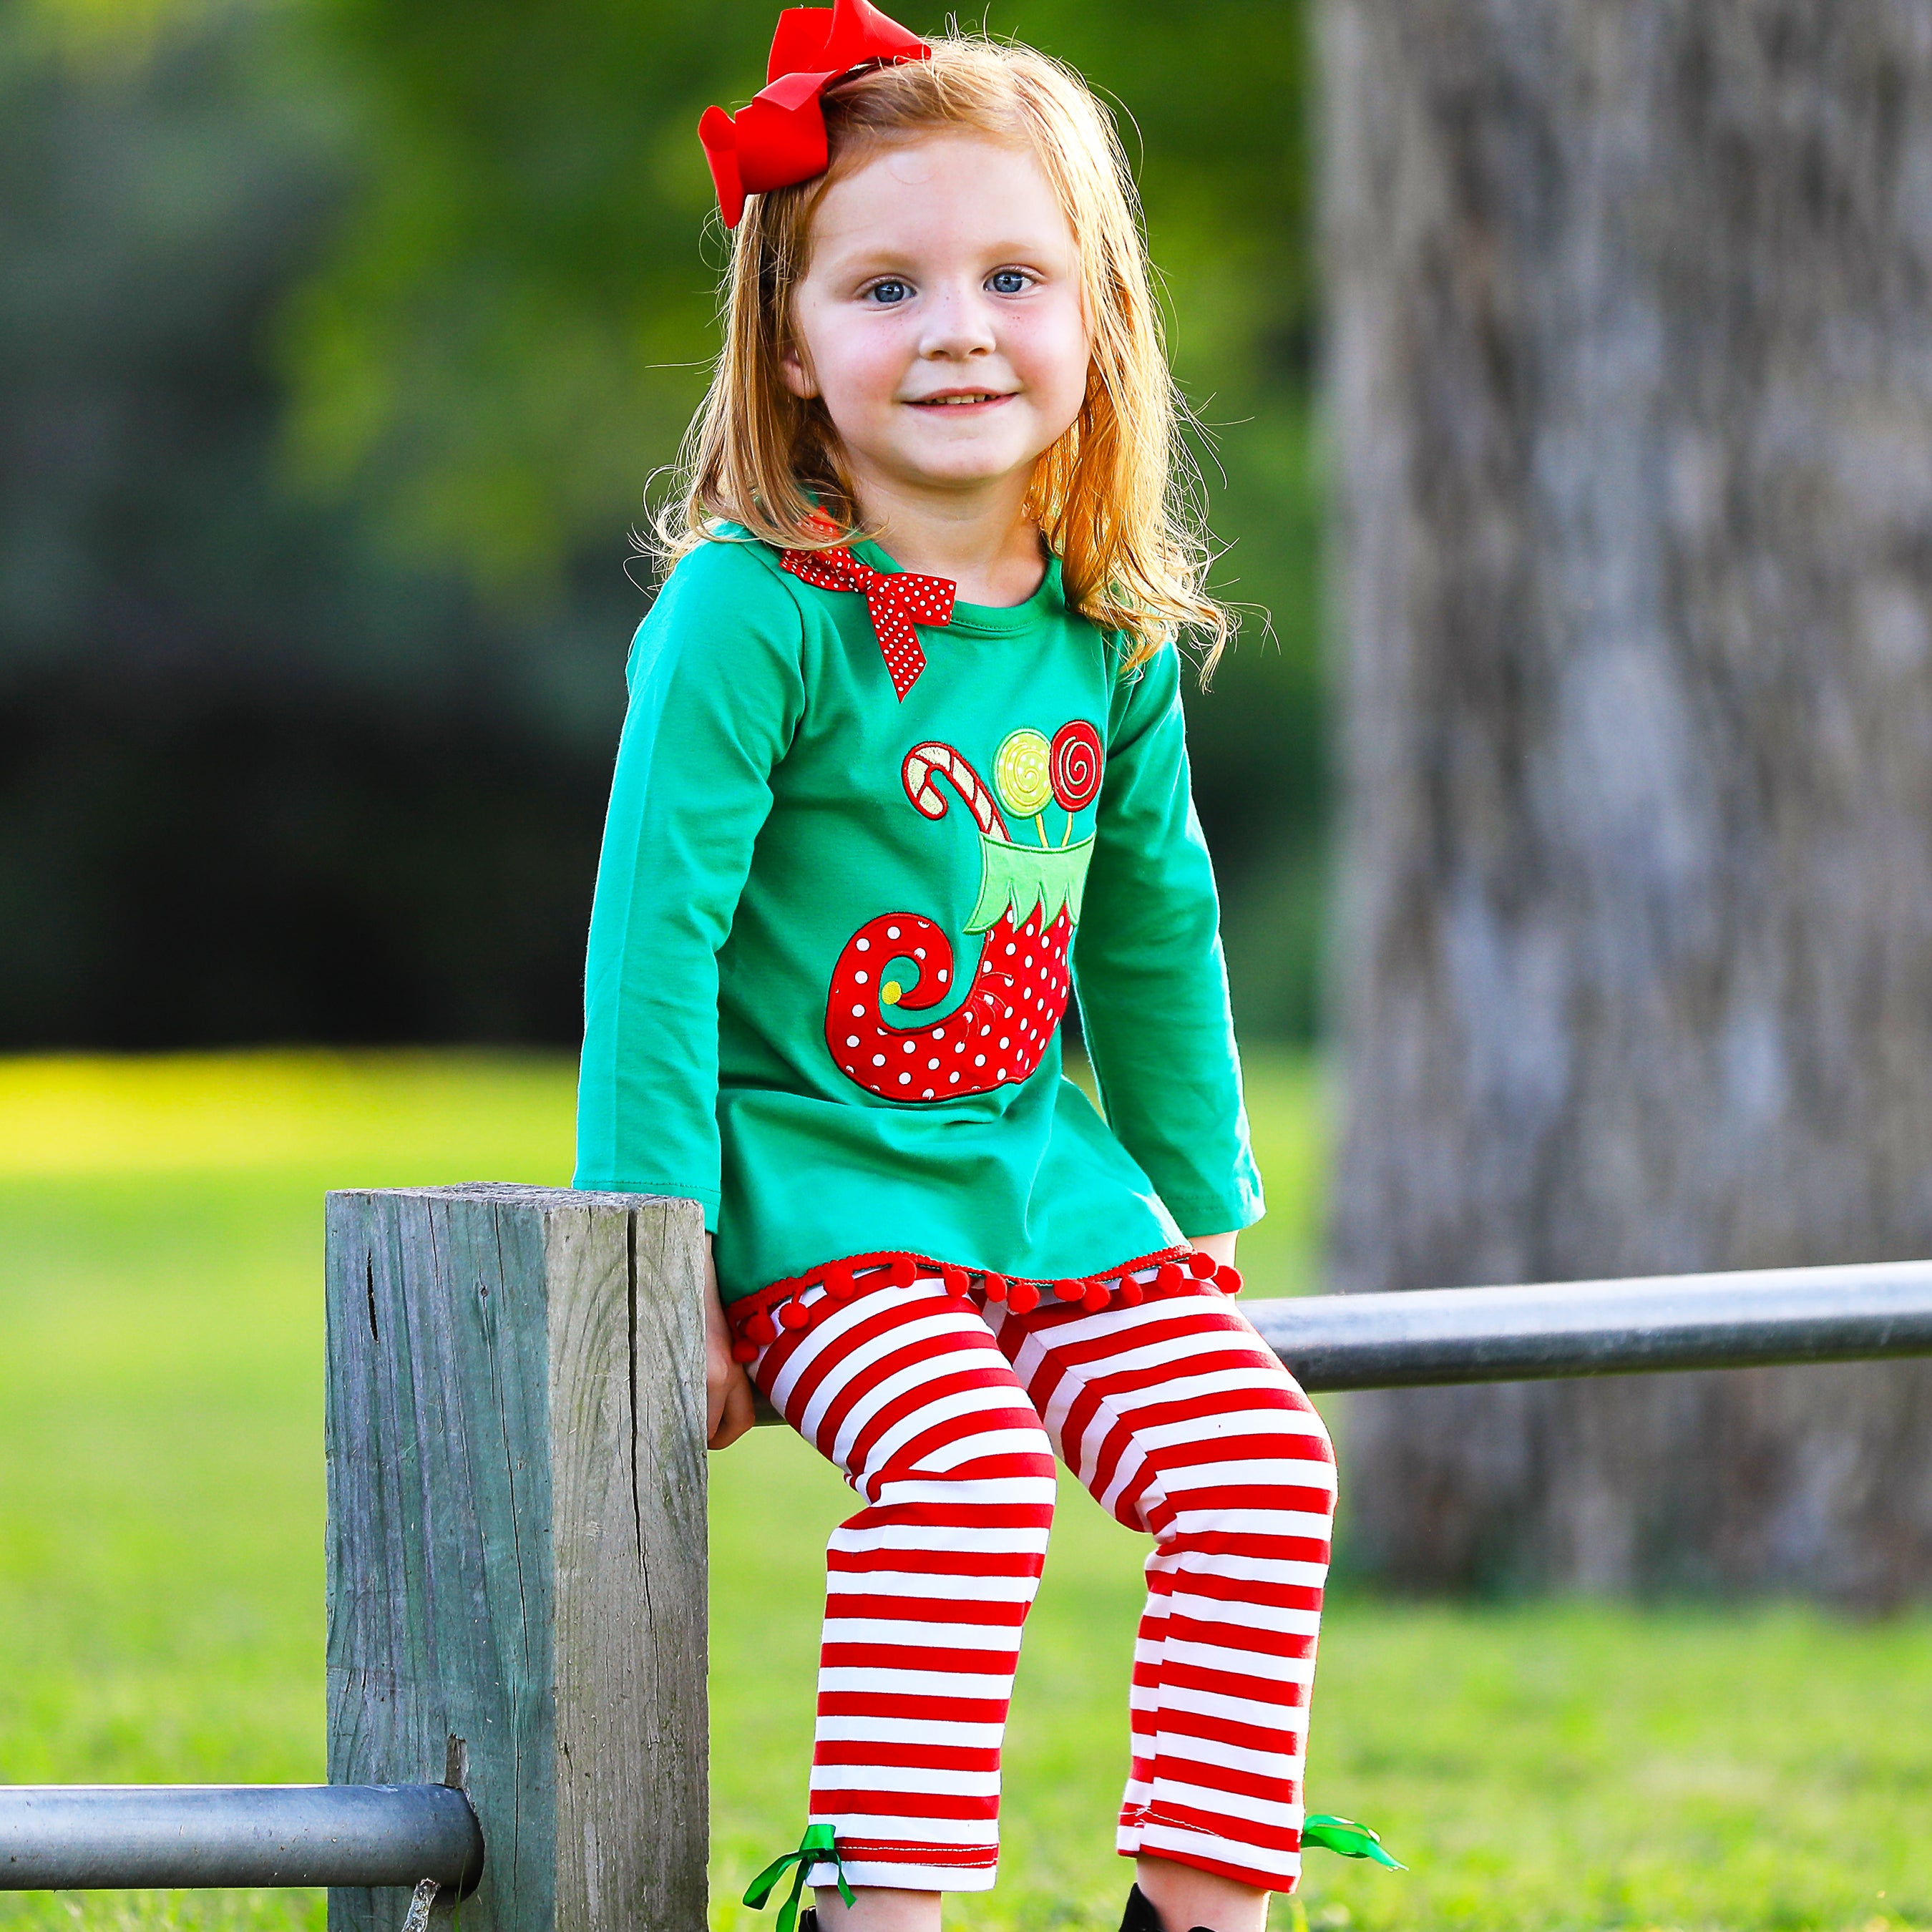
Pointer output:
x,y
160,1516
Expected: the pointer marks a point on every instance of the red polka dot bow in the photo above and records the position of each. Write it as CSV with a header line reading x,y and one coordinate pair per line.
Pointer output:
x,y
897,601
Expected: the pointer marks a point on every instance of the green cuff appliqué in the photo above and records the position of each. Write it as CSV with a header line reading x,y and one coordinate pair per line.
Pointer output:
x,y
1021,879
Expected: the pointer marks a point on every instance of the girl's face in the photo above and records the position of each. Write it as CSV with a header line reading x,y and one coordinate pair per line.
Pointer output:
x,y
940,317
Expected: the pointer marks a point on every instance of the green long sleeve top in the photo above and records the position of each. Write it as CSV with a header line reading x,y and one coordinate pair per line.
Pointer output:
x,y
834,930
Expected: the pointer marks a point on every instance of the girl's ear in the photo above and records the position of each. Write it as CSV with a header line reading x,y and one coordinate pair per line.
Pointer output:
x,y
797,372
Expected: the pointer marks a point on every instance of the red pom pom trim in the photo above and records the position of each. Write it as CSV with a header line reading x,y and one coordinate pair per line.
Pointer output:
x,y
761,1320
1201,1266
1227,1279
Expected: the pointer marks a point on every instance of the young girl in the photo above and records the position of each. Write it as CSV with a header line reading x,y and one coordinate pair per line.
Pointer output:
x,y
904,766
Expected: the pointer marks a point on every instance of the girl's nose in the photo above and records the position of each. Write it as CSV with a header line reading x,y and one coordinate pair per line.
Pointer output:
x,y
958,324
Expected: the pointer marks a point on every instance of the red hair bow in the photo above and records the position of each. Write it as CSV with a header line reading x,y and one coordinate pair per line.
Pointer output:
x,y
778,139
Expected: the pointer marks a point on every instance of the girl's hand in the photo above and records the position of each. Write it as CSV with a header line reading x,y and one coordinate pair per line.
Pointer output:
x,y
1220,1247
727,1389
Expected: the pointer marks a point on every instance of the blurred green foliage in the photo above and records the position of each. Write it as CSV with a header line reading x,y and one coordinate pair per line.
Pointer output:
x,y
515,316
344,337
259,778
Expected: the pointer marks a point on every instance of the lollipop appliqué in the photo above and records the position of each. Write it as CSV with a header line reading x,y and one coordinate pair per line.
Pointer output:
x,y
1073,762
899,965
1028,771
1019,773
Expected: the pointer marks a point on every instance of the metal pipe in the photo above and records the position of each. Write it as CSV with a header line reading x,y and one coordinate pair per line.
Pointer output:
x,y
1749,1319
74,1837
1743,1320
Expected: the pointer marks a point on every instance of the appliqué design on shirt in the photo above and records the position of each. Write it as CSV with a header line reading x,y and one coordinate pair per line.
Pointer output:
x,y
1027,907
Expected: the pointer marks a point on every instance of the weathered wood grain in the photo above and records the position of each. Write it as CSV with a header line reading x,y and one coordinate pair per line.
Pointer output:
x,y
517,1541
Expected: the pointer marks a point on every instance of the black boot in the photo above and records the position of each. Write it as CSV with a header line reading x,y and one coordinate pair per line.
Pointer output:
x,y
1140,1915
808,1919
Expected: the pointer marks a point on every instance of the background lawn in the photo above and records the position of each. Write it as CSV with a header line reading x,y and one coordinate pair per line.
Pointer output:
x,y
160,1575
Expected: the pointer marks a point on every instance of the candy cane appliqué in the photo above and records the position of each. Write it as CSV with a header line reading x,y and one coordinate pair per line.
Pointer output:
x,y
902,964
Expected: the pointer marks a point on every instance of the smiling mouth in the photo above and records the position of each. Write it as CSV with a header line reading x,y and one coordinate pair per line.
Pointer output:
x,y
962,399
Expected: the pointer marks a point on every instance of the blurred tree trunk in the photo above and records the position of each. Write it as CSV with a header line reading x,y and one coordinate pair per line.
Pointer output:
x,y
1631,368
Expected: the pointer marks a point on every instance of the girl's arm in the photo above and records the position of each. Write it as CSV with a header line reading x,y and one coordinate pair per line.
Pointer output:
x,y
716,692
1152,984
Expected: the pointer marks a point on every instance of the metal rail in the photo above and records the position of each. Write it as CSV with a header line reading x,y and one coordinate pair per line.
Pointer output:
x,y
1744,1320
1753,1319
62,1837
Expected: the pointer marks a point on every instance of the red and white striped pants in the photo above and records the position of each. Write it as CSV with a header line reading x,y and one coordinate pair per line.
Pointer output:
x,y
944,1414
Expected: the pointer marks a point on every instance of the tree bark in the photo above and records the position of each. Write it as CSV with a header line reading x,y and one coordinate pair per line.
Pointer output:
x,y
1631,381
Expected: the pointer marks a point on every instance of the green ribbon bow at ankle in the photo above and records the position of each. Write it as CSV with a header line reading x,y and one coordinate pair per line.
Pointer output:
x,y
1344,1835
818,1847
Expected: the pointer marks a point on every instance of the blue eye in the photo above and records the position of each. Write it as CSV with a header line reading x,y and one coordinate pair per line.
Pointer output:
x,y
886,293
1009,282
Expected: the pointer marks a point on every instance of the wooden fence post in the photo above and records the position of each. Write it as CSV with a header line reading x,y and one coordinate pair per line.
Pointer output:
x,y
517,1596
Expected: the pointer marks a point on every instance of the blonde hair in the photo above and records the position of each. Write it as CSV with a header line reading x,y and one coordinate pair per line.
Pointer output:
x,y
1117,497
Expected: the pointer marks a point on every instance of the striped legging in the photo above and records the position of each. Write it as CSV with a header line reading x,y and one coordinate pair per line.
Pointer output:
x,y
943,1414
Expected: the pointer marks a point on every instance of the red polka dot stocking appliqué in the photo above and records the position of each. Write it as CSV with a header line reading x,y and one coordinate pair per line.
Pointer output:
x,y
901,964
